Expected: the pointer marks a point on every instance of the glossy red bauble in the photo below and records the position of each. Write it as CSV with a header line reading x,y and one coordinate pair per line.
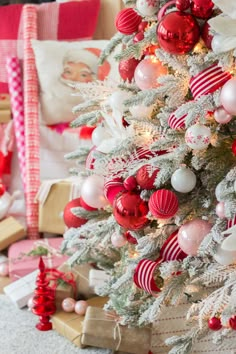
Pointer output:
x,y
127,21
69,218
130,211
130,183
232,322
146,177
214,323
182,5
163,204
127,68
142,26
234,147
130,238
206,36
202,8
178,32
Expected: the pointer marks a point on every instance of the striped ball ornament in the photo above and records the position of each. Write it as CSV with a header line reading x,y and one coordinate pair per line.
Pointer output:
x,y
176,123
112,188
163,204
127,21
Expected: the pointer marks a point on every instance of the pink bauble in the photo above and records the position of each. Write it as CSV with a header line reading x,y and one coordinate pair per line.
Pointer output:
x,y
163,204
147,73
112,188
220,210
118,240
68,304
228,96
81,307
4,269
191,234
30,303
92,191
221,116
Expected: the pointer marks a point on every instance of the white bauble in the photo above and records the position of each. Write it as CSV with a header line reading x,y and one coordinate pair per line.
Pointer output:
x,y
229,243
198,136
116,101
147,7
141,111
183,180
218,191
224,257
99,135
92,192
118,240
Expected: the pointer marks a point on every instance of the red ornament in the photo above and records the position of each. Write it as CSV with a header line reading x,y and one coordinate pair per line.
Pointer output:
x,y
138,37
124,122
178,32
112,188
234,147
69,218
202,8
214,323
130,211
43,300
86,132
127,68
86,206
146,177
206,36
130,238
130,183
176,123
182,5
142,26
163,204
2,189
232,322
127,21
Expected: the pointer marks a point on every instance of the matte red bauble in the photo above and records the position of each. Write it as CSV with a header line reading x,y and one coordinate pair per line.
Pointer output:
x,y
163,204
145,177
69,218
178,32
130,211
142,26
232,322
127,68
214,323
182,5
130,238
234,147
206,36
202,8
127,21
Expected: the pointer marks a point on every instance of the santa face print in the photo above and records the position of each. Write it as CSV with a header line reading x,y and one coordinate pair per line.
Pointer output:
x,y
77,72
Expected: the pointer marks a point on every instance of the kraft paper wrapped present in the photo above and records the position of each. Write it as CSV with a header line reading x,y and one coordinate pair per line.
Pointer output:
x,y
5,108
21,290
103,331
24,256
81,273
70,325
10,231
97,278
5,115
53,196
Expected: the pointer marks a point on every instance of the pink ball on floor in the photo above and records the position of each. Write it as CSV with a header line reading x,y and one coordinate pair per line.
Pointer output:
x,y
81,307
30,303
4,269
68,304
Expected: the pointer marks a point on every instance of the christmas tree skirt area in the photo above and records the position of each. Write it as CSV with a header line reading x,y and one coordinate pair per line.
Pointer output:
x,y
19,335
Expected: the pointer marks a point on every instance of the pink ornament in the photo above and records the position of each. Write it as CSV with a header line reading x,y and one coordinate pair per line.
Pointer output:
x,y
81,307
163,204
221,116
191,234
68,304
112,188
118,240
30,303
4,269
220,210
147,72
228,96
92,191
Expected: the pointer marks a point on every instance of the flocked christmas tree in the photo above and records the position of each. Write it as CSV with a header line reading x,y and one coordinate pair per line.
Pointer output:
x,y
159,189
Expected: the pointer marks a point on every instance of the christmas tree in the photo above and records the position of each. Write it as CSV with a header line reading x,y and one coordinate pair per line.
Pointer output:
x,y
160,180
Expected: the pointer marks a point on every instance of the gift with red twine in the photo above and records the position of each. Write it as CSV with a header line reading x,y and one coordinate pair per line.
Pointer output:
x,y
145,270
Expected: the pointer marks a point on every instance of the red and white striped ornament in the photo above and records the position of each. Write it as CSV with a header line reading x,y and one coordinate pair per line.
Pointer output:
x,y
176,123
144,153
127,21
112,188
231,222
170,251
163,204
208,81
90,160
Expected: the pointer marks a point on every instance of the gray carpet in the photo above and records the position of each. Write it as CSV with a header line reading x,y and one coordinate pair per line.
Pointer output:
x,y
18,334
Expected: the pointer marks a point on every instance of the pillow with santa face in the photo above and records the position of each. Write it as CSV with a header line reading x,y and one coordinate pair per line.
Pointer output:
x,y
58,65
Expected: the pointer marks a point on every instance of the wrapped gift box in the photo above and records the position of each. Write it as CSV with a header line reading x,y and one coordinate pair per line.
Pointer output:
x,y
10,231
24,256
70,325
53,197
81,274
5,115
100,330
97,278
21,290
5,108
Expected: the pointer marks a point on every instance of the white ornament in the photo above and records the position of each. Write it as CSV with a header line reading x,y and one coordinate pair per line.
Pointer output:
x,y
183,180
147,7
198,136
92,192
116,101
141,111
229,243
99,135
118,240
224,257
